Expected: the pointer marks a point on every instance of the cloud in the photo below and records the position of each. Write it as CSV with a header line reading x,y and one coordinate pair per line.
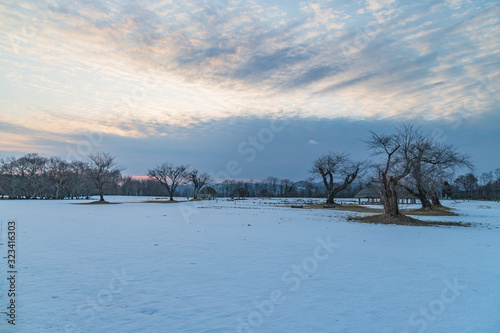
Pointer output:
x,y
143,69
313,142
376,5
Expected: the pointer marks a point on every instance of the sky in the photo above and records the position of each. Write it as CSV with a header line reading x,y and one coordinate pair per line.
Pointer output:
x,y
245,89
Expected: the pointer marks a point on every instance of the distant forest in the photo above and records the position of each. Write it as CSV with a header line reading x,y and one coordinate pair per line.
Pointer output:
x,y
36,177
405,161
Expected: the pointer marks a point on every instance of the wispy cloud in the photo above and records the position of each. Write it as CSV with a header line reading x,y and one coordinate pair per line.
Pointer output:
x,y
135,69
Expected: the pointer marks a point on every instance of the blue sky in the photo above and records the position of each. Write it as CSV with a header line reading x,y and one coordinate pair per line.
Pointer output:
x,y
195,81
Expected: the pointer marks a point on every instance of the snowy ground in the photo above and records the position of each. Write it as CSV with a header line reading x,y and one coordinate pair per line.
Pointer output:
x,y
247,266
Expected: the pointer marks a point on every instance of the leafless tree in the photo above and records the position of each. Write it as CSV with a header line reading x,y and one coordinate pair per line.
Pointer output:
x,y
102,169
31,167
272,185
199,180
80,183
337,172
487,185
309,186
468,182
170,176
497,182
9,180
396,163
431,162
287,188
58,174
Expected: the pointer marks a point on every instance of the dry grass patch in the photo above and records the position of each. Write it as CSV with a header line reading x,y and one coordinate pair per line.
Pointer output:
x,y
164,201
404,220
438,211
348,208
97,203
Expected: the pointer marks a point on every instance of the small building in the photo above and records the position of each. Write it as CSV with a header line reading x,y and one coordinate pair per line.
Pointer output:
x,y
207,193
406,197
372,196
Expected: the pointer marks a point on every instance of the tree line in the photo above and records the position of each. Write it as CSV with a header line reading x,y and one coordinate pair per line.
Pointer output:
x,y
33,176
406,158
36,177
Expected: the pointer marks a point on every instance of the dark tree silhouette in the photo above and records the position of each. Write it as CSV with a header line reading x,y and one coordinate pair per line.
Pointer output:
x,y
170,176
102,169
334,167
395,165
199,180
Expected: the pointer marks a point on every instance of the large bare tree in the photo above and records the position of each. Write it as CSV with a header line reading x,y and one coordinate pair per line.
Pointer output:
x,y
396,163
170,176
102,169
199,180
337,171
432,161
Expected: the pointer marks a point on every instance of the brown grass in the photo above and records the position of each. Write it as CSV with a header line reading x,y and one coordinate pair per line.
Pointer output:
x,y
348,208
438,211
164,201
404,220
97,203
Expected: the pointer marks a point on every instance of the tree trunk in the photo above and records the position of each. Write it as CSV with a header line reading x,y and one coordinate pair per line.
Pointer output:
x,y
330,200
102,196
57,192
390,198
436,202
422,196
391,206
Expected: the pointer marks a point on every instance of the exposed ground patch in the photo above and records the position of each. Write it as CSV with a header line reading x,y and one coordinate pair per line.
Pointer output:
x,y
97,203
405,220
164,201
439,211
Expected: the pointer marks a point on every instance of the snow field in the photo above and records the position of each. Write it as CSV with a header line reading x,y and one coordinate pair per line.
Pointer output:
x,y
248,266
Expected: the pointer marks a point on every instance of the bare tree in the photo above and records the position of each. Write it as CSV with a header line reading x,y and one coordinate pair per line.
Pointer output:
x,y
199,180
438,184
442,162
9,179
170,176
272,185
487,185
431,162
469,183
287,188
309,186
102,169
396,163
80,183
32,167
58,173
337,172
